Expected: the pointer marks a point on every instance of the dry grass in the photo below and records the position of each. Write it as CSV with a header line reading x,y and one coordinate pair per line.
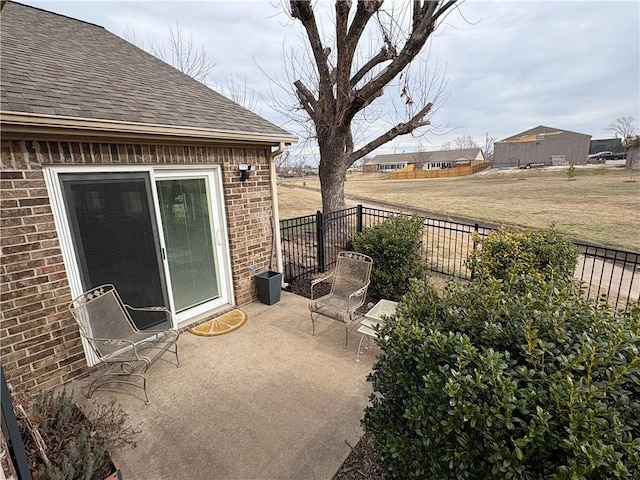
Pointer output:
x,y
600,205
296,202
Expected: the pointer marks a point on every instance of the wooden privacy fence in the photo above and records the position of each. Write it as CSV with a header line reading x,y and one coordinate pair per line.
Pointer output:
x,y
411,173
310,245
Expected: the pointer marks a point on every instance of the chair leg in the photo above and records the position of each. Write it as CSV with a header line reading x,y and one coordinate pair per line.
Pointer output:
x,y
110,378
144,387
313,325
359,349
346,336
176,352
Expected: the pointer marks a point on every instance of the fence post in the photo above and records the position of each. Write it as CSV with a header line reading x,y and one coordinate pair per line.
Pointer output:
x,y
320,240
14,439
359,218
476,227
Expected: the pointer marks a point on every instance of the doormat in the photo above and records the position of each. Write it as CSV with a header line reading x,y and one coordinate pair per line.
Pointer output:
x,y
226,323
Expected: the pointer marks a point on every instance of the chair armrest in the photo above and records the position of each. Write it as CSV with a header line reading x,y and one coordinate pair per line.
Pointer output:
x,y
319,280
164,310
151,309
358,293
148,309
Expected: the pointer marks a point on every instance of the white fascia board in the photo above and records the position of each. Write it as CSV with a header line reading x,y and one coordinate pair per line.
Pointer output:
x,y
20,122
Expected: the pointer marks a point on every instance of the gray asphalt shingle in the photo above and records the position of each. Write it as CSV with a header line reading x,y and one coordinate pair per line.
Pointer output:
x,y
52,64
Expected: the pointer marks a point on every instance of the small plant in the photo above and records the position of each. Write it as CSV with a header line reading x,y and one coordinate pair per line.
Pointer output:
x,y
394,246
62,443
571,172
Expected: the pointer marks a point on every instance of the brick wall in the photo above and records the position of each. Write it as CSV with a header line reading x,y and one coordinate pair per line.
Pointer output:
x,y
40,345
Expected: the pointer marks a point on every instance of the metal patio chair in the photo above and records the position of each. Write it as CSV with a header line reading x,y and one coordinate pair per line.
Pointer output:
x,y
126,351
349,282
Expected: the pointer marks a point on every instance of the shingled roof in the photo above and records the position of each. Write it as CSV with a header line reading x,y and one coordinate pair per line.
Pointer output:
x,y
53,65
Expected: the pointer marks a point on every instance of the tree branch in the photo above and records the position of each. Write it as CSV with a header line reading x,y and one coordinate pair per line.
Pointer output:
x,y
424,17
307,100
347,39
382,56
401,129
365,10
303,11
343,64
349,144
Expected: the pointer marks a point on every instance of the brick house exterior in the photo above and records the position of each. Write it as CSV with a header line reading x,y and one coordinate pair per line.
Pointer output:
x,y
51,127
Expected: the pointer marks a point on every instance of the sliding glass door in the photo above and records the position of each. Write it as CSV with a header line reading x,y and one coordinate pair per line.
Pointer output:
x,y
157,235
115,238
185,209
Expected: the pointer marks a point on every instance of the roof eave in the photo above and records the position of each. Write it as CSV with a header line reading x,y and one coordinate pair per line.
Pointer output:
x,y
33,123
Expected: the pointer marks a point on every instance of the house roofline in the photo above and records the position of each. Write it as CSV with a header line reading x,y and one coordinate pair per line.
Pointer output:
x,y
3,2
24,123
514,138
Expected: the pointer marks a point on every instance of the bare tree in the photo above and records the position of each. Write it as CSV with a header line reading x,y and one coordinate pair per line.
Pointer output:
x,y
237,90
179,51
182,53
624,127
489,142
282,160
461,142
291,165
341,82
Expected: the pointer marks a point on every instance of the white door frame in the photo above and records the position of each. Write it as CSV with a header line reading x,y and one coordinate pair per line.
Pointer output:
x,y
213,173
218,223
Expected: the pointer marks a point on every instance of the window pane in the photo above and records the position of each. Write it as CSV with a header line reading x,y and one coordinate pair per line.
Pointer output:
x,y
114,237
185,211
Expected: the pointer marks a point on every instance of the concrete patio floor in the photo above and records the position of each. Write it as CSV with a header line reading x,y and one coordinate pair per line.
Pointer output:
x,y
268,401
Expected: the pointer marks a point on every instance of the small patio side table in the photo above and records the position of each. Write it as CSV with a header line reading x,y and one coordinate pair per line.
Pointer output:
x,y
384,308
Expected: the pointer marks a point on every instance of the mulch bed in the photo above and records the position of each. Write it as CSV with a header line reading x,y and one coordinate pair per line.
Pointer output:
x,y
361,463
302,287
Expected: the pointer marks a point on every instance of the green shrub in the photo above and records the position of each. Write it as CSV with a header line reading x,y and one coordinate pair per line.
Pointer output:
x,y
394,246
540,253
516,377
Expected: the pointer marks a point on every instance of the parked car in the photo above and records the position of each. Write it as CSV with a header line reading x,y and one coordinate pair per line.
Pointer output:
x,y
603,156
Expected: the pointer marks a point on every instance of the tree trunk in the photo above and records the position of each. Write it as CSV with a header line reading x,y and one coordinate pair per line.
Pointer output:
x,y
332,171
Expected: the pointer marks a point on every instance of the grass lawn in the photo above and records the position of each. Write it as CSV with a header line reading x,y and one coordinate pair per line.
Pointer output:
x,y
601,204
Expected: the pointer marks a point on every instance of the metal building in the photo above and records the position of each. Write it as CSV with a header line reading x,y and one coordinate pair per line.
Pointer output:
x,y
542,146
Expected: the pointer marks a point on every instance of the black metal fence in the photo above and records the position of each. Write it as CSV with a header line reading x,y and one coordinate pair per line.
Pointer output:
x,y
311,245
609,273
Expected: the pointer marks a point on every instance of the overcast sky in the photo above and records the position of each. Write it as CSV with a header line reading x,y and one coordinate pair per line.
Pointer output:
x,y
510,66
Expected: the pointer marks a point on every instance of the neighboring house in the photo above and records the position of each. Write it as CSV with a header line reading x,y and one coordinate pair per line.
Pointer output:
x,y
605,145
117,168
542,145
424,160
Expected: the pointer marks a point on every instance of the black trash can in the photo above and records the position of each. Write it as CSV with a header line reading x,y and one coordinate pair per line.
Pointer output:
x,y
269,285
